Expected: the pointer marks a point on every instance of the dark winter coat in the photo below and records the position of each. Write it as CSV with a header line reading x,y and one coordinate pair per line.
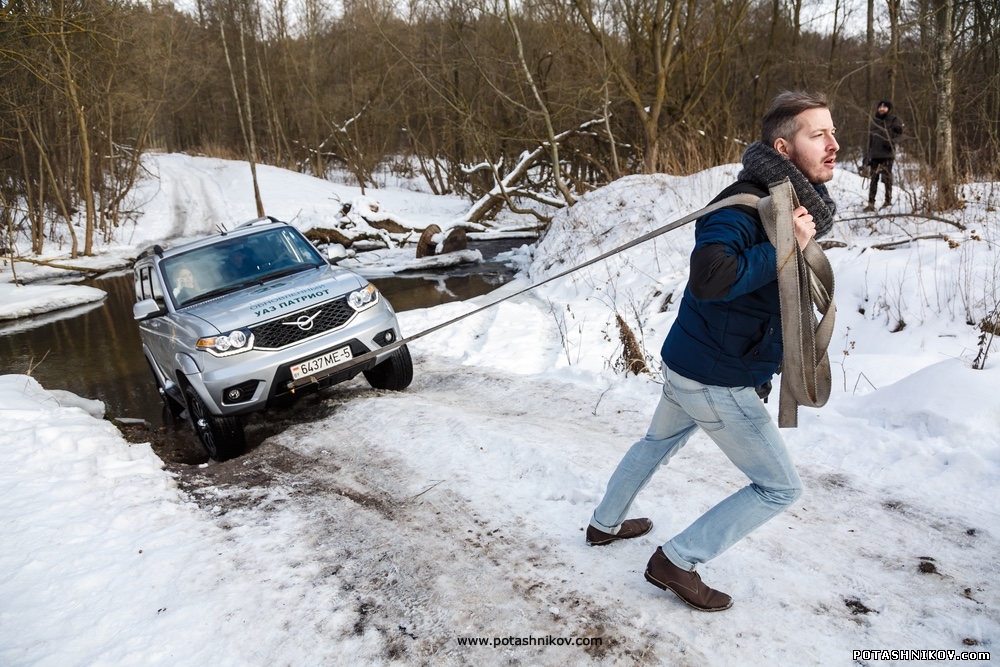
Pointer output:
x,y
729,334
882,135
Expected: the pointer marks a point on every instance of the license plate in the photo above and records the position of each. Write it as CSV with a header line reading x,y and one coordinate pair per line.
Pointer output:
x,y
316,364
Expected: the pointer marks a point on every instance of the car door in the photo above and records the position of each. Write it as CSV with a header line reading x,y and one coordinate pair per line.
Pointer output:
x,y
156,332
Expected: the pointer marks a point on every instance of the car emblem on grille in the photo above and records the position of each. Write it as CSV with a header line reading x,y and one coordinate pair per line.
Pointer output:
x,y
304,322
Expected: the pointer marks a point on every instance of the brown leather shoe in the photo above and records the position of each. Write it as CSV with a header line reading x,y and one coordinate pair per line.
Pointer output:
x,y
630,528
688,586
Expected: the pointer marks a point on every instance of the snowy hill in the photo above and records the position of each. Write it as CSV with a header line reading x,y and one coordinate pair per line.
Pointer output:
x,y
404,528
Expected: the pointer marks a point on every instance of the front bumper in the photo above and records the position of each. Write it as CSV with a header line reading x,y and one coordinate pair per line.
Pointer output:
x,y
263,376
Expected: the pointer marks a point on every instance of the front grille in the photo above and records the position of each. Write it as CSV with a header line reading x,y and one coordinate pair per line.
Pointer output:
x,y
281,333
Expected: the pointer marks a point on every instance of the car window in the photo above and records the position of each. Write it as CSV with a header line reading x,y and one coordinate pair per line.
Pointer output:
x,y
154,285
236,262
146,285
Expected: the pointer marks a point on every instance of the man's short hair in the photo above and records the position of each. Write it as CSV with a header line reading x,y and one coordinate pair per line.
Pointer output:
x,y
780,119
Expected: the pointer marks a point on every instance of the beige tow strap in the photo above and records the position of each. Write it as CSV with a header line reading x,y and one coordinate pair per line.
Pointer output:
x,y
805,279
805,379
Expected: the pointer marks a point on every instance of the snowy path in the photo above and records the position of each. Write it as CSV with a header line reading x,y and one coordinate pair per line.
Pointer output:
x,y
382,529
407,542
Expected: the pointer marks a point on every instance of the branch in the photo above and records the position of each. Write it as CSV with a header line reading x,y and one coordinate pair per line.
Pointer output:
x,y
925,216
889,245
87,270
505,185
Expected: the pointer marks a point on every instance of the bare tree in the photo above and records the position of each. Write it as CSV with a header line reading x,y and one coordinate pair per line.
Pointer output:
x,y
62,48
870,56
654,27
553,144
894,8
945,104
244,107
460,90
79,113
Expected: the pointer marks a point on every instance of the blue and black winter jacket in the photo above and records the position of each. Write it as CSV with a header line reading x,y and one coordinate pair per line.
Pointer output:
x,y
728,327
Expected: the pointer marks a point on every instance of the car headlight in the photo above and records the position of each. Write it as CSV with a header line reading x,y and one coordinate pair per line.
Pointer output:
x,y
364,298
226,344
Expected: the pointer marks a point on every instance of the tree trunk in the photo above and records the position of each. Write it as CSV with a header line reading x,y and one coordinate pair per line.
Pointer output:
x,y
245,117
662,35
550,133
35,201
796,35
249,123
79,114
870,43
60,200
834,38
945,105
894,9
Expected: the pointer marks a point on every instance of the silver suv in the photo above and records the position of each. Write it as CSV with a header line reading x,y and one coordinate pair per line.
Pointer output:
x,y
235,322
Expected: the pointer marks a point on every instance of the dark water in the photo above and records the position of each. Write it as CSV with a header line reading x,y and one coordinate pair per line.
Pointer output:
x,y
96,352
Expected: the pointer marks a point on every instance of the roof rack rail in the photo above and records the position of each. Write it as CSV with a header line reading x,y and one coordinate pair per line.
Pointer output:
x,y
157,249
257,221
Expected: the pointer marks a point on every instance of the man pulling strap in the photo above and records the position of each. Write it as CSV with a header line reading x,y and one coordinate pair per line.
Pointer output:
x,y
724,348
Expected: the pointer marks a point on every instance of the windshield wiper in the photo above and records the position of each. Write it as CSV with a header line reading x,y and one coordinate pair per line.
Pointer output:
x,y
259,280
218,291
281,273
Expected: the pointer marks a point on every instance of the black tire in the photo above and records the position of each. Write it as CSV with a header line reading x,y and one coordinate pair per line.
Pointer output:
x,y
394,374
222,437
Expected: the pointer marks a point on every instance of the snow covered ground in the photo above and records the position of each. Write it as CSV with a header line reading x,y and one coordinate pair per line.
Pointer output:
x,y
386,528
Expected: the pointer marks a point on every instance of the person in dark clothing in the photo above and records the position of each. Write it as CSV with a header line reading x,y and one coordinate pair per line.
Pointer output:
x,y
885,129
725,343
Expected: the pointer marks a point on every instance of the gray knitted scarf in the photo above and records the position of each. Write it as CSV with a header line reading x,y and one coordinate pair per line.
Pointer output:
x,y
763,165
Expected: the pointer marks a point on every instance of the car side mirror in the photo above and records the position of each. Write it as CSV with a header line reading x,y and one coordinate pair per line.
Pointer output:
x,y
147,309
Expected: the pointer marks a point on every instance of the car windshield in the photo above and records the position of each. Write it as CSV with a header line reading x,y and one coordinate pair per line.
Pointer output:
x,y
234,263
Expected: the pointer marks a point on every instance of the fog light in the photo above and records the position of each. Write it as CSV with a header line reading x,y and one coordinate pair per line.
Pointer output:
x,y
240,393
384,338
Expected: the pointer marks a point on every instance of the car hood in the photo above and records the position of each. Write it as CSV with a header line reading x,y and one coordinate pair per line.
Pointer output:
x,y
276,298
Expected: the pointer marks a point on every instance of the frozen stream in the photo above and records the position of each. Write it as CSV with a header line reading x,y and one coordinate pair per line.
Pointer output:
x,y
96,352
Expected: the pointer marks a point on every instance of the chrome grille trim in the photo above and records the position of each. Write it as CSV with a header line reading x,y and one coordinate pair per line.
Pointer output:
x,y
285,331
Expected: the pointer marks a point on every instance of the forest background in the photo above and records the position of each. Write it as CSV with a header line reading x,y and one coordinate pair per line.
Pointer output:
x,y
521,106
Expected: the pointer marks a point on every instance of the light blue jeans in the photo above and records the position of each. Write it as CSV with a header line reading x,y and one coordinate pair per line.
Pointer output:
x,y
736,419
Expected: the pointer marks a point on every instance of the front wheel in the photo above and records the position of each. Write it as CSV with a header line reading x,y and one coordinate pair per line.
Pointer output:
x,y
395,373
222,437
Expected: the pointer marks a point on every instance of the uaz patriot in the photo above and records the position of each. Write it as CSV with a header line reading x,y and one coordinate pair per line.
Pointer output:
x,y
238,321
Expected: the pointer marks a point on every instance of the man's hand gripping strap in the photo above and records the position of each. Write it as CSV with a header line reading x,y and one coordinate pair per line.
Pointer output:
x,y
805,279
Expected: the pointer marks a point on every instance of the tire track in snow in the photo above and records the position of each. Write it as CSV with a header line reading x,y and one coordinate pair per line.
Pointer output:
x,y
416,560
456,508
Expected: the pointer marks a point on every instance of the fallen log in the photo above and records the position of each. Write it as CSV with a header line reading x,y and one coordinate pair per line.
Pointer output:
x,y
86,270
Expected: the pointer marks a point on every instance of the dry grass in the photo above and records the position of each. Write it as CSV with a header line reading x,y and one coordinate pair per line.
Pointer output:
x,y
633,359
